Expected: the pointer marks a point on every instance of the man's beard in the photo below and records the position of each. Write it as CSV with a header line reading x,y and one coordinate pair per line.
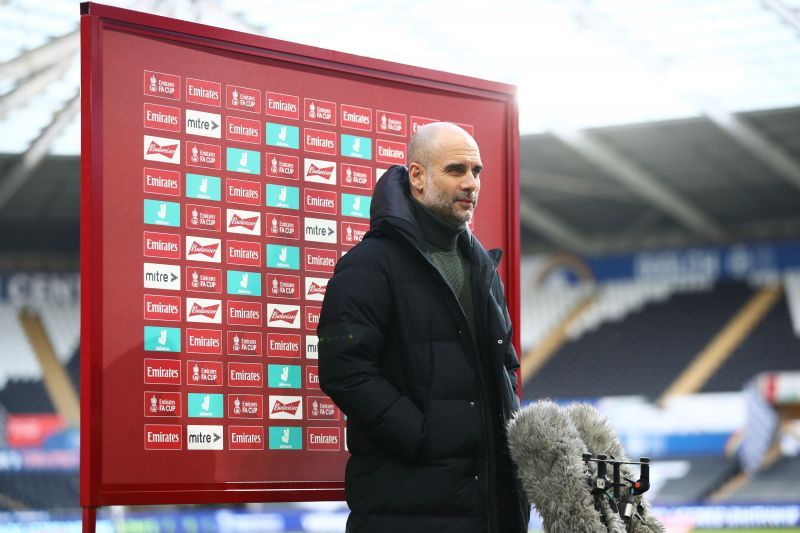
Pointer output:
x,y
445,207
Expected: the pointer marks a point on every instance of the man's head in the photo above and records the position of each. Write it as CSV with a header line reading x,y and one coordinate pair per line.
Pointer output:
x,y
444,165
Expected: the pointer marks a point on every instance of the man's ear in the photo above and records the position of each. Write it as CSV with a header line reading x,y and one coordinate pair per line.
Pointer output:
x,y
416,177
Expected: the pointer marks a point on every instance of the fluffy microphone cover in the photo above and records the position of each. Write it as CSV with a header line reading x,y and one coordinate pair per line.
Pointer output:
x,y
599,436
547,449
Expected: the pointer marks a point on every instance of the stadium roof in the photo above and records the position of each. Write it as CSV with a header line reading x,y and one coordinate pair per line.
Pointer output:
x,y
649,123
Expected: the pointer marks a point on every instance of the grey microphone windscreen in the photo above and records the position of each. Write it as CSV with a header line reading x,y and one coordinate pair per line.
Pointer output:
x,y
547,449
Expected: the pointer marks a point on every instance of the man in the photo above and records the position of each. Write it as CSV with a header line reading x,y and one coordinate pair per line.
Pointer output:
x,y
415,348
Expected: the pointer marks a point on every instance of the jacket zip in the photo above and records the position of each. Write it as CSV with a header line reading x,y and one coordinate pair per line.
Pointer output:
x,y
488,441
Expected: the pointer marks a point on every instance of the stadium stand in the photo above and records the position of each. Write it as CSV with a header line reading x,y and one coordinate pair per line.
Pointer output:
x,y
19,361
545,307
62,323
703,476
39,490
772,345
776,483
643,353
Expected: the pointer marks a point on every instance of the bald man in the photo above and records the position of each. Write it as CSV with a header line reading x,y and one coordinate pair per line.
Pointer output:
x,y
415,348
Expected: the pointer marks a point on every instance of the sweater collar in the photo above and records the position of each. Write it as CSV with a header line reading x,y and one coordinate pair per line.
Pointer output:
x,y
436,231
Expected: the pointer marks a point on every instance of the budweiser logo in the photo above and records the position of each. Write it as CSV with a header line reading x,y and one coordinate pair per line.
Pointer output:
x,y
314,170
316,289
156,149
283,316
209,250
239,222
289,408
208,312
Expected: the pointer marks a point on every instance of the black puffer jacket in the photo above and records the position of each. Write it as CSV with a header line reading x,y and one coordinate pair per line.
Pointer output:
x,y
396,355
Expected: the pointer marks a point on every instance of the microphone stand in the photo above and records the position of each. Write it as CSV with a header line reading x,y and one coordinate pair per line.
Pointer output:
x,y
627,506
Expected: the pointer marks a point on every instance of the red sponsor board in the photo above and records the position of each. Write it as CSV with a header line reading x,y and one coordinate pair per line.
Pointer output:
x,y
243,98
321,408
283,286
319,141
282,105
315,288
312,317
324,439
418,122
318,201
163,437
282,166
162,404
246,438
162,85
390,152
203,217
353,232
162,245
162,117
356,176
244,313
312,377
244,130
243,253
245,406
320,259
160,307
203,155
284,345
247,343
283,226
162,371
356,118
204,341
390,123
320,111
203,92
208,373
242,192
166,182
203,279
245,375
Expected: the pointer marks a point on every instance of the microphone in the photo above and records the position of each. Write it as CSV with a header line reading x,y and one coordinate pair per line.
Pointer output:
x,y
599,437
547,448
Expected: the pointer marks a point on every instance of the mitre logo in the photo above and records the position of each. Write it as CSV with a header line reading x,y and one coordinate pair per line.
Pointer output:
x,y
320,230
202,310
162,85
390,123
162,149
286,407
356,118
283,316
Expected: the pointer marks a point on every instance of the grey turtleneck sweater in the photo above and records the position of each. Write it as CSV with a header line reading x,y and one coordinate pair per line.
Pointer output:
x,y
442,239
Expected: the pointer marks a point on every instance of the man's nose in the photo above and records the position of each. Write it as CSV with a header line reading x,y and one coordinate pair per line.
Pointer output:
x,y
470,182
